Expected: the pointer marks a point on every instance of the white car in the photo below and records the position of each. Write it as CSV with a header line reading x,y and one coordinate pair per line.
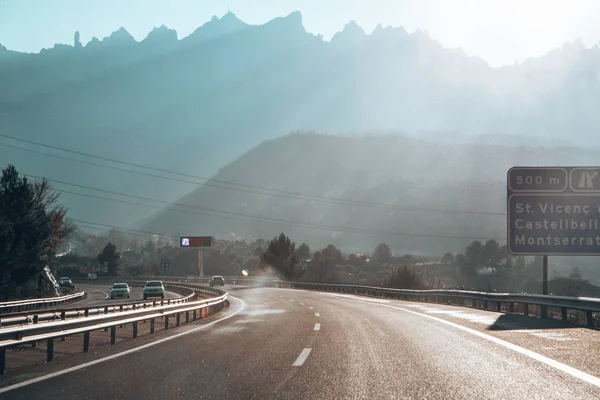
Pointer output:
x,y
92,277
154,289
120,290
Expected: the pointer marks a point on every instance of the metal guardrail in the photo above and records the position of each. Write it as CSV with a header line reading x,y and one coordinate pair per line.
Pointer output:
x,y
27,317
501,302
229,280
31,334
31,304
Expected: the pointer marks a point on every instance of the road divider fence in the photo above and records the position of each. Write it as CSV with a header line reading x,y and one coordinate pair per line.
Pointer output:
x,y
118,315
577,310
36,304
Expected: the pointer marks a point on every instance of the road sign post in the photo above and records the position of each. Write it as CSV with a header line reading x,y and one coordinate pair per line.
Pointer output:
x,y
553,211
197,241
200,261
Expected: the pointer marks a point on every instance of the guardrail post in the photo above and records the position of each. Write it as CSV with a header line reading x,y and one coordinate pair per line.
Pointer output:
x,y
86,313
166,322
113,334
194,315
178,318
50,350
133,307
485,304
187,317
36,318
121,308
499,306
563,314
86,342
589,319
63,315
152,325
526,309
135,329
34,344
543,312
2,361
512,307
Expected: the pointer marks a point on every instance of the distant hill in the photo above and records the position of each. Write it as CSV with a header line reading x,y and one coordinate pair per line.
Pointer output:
x,y
409,186
194,104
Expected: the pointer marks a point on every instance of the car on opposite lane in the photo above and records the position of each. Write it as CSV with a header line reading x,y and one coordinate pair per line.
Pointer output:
x,y
154,289
217,281
66,282
120,290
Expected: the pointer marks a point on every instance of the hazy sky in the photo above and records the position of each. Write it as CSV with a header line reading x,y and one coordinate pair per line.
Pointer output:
x,y
499,31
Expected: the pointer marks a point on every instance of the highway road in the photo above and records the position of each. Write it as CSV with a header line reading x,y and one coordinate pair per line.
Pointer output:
x,y
100,295
292,344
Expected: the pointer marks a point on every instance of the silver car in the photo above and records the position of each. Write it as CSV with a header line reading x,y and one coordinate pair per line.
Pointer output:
x,y
154,289
120,290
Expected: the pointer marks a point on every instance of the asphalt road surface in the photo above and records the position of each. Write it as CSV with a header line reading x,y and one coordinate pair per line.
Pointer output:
x,y
292,344
100,295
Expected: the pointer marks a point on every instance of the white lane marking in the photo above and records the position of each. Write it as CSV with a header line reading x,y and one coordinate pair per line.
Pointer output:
x,y
302,358
311,308
351,296
292,300
301,304
492,319
123,353
317,314
531,354
317,327
106,296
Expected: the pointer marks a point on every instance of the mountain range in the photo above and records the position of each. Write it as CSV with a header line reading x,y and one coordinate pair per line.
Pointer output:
x,y
418,196
200,103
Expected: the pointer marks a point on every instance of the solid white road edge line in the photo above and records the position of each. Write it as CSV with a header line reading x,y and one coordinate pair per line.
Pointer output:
x,y
302,358
317,327
531,354
123,353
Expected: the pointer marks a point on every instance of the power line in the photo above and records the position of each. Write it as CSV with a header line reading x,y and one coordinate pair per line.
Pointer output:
x,y
255,189
245,216
104,229
145,173
121,228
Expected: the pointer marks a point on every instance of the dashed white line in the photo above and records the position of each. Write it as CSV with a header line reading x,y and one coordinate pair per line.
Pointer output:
x,y
317,327
301,304
317,314
302,357
292,300
311,308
